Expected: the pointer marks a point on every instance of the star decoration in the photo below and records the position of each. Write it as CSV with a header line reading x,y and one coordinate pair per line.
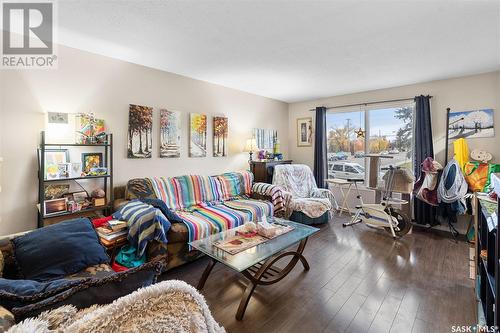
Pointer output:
x,y
360,133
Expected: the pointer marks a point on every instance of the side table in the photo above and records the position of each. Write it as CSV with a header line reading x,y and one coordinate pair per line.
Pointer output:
x,y
342,184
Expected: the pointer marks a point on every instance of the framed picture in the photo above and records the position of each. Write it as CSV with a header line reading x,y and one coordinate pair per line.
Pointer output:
x,y
54,206
471,124
56,191
80,196
75,170
265,138
91,160
197,135
220,136
53,158
304,132
170,133
140,129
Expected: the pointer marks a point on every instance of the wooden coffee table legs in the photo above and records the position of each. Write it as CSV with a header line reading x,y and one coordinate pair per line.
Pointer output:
x,y
206,273
263,273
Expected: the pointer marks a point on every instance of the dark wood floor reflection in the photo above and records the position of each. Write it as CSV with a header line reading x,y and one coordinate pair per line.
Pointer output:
x,y
360,281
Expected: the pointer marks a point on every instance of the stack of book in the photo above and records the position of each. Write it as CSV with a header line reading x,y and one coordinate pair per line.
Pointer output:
x,y
113,232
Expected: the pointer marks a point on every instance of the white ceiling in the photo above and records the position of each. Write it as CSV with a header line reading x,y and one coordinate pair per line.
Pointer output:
x,y
292,50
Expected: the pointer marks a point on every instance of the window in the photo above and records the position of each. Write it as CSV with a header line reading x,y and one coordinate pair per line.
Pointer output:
x,y
387,131
337,167
350,169
391,135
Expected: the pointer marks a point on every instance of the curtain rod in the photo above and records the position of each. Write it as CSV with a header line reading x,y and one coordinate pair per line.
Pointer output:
x,y
369,103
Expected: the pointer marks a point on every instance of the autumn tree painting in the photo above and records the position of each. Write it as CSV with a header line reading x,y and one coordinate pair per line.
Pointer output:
x,y
140,127
197,135
170,133
220,136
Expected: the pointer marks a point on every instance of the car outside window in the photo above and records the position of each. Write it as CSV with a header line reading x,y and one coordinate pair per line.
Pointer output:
x,y
337,167
350,169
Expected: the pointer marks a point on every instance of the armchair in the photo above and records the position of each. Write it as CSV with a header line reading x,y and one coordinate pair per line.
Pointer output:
x,y
305,202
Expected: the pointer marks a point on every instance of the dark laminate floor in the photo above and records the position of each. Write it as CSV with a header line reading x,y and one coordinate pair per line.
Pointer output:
x,y
360,281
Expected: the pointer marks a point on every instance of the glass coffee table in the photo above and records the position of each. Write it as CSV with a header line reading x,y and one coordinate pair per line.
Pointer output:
x,y
257,263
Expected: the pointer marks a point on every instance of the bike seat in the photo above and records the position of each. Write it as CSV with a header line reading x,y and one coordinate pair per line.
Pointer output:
x,y
355,180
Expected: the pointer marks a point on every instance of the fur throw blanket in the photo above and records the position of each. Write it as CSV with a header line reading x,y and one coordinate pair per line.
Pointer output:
x,y
168,306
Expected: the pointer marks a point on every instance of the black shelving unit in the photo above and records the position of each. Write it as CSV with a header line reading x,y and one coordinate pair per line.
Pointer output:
x,y
487,262
107,179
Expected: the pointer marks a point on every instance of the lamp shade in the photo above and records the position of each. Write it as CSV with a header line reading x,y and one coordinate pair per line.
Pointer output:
x,y
250,145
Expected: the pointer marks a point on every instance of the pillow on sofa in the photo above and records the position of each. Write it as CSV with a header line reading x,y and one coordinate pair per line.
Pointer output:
x,y
162,206
58,250
14,293
95,291
235,184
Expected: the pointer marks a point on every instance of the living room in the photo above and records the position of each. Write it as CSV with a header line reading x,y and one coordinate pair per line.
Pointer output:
x,y
265,166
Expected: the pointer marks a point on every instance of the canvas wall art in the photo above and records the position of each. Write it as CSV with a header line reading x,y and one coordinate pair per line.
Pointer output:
x,y
304,132
220,136
170,133
265,138
197,135
471,124
140,128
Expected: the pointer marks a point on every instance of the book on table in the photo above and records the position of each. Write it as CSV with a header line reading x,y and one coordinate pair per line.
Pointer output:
x,y
250,235
119,240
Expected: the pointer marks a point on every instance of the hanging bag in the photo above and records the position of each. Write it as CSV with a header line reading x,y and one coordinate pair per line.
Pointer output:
x,y
476,175
492,168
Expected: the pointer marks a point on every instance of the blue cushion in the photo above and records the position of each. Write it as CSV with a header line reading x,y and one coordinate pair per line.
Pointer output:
x,y
15,293
161,205
58,250
32,287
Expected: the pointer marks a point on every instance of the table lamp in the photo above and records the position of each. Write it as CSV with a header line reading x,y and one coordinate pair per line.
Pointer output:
x,y
250,147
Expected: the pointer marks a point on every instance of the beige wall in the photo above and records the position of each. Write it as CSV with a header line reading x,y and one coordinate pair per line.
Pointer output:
x,y
86,82
460,94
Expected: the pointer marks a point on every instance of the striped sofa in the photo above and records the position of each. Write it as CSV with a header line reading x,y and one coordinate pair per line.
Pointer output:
x,y
205,204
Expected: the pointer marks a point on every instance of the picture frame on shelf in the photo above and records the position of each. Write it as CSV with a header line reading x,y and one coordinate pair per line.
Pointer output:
x,y
80,196
91,160
55,206
54,157
75,170
56,191
63,170
304,132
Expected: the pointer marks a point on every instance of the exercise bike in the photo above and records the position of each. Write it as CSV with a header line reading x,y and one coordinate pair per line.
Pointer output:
x,y
382,215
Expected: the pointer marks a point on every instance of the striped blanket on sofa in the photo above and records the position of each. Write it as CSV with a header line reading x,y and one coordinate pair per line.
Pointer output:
x,y
211,204
145,223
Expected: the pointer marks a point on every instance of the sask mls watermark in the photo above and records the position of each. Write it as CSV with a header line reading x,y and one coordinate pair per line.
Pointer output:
x,y
28,35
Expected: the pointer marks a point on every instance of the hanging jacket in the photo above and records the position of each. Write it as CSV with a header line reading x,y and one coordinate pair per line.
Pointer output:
x,y
461,150
425,188
453,186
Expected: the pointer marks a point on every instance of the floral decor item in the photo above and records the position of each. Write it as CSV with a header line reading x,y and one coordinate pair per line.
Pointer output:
x,y
89,129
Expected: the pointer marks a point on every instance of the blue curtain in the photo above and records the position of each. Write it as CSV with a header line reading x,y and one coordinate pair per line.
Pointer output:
x,y
320,159
424,213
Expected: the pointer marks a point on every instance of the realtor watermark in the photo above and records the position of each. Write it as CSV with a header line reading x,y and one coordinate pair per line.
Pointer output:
x,y
28,35
473,329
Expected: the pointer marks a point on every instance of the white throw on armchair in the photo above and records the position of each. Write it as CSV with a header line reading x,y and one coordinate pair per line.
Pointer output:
x,y
301,193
